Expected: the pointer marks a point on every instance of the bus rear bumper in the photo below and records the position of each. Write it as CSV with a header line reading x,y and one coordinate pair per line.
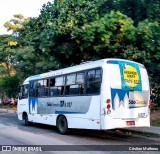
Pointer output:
x,y
111,123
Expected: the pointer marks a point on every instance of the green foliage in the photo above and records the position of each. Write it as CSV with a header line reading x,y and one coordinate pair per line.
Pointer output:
x,y
140,10
78,30
7,46
133,53
3,70
9,85
27,63
148,39
153,9
105,36
149,35
16,23
68,32
52,32
155,122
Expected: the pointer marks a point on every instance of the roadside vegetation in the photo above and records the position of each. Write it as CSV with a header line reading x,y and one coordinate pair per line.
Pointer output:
x,y
68,32
155,122
155,114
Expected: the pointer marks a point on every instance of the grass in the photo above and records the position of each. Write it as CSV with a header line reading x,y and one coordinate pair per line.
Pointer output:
x,y
155,117
155,122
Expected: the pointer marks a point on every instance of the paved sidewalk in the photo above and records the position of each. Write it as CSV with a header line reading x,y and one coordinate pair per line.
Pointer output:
x,y
8,110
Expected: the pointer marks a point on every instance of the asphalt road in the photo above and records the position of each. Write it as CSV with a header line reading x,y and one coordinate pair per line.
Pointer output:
x,y
15,134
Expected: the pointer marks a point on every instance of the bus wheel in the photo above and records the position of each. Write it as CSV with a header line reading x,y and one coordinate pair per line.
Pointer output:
x,y
62,125
25,117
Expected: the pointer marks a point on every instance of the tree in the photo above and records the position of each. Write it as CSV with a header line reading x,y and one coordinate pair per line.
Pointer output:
x,y
106,36
77,30
7,45
23,55
148,39
68,32
27,63
51,32
140,10
16,23
7,70
9,85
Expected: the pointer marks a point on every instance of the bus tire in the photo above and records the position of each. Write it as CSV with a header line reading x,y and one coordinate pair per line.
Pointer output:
x,y
25,117
62,125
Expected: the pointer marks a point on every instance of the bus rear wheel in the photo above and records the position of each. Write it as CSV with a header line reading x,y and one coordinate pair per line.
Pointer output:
x,y
25,117
62,125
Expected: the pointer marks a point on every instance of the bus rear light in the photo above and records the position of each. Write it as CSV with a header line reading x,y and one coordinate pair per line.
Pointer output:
x,y
108,101
108,106
149,104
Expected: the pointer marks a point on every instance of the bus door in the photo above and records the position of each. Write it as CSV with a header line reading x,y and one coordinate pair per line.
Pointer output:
x,y
23,98
33,97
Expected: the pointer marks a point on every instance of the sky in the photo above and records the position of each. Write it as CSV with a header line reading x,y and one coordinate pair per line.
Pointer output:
x,y
28,8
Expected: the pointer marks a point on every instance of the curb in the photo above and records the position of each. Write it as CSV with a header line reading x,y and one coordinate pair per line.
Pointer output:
x,y
8,111
140,133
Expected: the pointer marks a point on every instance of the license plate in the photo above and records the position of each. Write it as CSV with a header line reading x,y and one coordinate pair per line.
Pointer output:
x,y
130,123
142,115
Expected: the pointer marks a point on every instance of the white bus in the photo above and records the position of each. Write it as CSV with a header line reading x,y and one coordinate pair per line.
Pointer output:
x,y
101,95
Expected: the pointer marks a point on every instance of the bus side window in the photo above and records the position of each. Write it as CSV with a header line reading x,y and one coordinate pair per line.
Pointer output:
x,y
70,82
67,90
46,87
52,82
93,81
80,82
57,86
53,89
98,80
42,87
24,91
75,84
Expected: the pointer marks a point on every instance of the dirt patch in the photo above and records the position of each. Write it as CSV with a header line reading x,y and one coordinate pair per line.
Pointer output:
x,y
155,117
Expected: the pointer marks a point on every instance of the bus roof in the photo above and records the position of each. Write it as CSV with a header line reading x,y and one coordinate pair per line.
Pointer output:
x,y
80,67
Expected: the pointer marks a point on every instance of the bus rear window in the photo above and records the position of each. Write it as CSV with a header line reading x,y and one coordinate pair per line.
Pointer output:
x,y
125,75
115,76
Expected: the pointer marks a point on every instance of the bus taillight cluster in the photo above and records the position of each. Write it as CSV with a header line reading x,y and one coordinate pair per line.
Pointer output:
x,y
149,104
108,101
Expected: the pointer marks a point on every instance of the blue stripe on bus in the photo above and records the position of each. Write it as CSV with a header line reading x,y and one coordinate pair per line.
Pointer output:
x,y
34,77
67,112
112,62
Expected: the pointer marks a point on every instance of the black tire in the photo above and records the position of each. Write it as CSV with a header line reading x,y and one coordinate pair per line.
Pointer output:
x,y
26,122
62,125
